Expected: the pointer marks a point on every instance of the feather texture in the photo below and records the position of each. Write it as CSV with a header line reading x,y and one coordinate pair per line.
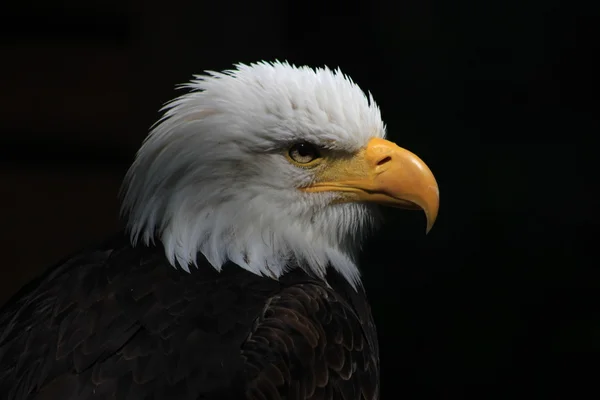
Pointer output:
x,y
117,323
212,176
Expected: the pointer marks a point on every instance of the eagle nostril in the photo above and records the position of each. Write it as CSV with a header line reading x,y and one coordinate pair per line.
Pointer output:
x,y
384,160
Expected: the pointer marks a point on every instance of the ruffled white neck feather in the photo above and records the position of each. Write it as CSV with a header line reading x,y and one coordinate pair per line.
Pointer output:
x,y
212,177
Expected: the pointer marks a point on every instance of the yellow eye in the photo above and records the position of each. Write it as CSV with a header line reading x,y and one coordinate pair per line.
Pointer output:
x,y
303,153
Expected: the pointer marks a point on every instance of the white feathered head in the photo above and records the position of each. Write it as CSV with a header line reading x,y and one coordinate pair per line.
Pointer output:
x,y
270,165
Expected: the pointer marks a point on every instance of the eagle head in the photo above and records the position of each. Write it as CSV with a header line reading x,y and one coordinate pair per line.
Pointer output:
x,y
270,166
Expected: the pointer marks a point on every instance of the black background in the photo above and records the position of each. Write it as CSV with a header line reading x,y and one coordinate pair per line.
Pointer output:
x,y
500,299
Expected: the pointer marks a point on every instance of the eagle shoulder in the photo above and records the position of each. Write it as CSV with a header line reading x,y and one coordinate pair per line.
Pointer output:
x,y
308,343
119,322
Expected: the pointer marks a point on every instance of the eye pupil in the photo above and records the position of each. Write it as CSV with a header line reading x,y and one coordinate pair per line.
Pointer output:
x,y
304,150
303,153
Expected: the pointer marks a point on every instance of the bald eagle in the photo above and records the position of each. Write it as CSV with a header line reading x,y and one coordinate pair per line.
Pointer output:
x,y
236,277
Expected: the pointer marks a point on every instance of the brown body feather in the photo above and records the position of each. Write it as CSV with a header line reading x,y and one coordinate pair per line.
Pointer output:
x,y
120,323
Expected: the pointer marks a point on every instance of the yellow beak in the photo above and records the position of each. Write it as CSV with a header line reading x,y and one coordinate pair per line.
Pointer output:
x,y
382,173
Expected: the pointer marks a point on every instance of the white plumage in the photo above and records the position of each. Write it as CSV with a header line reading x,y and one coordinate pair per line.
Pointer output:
x,y
212,176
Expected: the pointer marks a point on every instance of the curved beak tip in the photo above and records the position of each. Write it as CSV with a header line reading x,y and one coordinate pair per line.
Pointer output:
x,y
430,221
429,226
431,208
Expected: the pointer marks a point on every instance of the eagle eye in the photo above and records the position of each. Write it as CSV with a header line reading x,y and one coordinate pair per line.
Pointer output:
x,y
303,153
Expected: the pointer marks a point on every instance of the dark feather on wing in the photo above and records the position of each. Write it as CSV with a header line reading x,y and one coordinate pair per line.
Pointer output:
x,y
121,323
